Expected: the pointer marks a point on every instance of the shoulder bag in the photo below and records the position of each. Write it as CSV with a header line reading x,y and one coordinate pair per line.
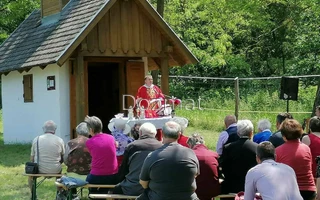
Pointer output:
x,y
32,167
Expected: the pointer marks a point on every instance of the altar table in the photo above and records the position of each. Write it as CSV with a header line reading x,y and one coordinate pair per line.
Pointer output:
x,y
157,122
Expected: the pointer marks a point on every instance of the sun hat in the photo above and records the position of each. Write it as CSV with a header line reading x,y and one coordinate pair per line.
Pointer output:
x,y
119,124
183,122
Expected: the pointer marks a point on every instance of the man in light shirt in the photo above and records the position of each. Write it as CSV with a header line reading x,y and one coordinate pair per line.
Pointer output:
x,y
51,150
274,181
229,135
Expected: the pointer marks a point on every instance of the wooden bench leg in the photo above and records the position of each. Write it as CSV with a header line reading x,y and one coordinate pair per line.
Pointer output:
x,y
34,188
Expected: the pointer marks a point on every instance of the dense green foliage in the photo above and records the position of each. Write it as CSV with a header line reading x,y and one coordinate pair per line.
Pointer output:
x,y
247,38
250,38
12,13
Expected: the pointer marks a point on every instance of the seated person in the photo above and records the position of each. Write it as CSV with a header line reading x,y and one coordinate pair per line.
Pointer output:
x,y
264,132
120,130
229,135
317,111
267,178
102,148
133,158
77,157
313,141
135,131
298,156
208,185
169,172
51,150
237,158
276,138
318,177
183,122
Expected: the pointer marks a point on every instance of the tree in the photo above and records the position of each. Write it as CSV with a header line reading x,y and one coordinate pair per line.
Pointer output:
x,y
12,13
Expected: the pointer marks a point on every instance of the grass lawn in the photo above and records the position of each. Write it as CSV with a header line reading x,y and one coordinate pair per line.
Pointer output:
x,y
14,186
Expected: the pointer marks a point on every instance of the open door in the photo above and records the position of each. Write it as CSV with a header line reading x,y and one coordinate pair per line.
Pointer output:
x,y
103,91
135,79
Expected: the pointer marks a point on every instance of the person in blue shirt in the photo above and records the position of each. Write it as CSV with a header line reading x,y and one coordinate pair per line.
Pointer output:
x,y
264,133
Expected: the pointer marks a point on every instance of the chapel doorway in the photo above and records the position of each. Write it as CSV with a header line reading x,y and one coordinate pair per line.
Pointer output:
x,y
103,91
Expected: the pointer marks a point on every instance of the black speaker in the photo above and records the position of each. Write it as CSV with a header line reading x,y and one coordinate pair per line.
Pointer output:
x,y
289,88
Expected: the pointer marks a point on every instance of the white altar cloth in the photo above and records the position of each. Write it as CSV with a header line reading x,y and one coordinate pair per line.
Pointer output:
x,y
157,122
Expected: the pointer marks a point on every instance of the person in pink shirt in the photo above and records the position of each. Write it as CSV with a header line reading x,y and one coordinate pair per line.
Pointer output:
x,y
102,148
298,156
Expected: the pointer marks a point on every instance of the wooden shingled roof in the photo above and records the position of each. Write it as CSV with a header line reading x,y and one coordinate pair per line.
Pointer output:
x,y
39,43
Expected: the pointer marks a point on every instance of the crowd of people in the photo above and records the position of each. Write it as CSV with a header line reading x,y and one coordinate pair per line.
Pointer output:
x,y
280,165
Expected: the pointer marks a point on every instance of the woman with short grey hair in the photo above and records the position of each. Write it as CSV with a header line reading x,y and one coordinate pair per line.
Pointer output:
x,y
244,128
194,140
264,133
237,158
208,185
94,125
82,129
77,157
102,148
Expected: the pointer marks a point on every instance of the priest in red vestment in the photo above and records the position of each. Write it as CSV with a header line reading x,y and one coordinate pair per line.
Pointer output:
x,y
150,97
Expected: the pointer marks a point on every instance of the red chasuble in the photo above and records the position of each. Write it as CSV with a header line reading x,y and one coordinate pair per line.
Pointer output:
x,y
147,94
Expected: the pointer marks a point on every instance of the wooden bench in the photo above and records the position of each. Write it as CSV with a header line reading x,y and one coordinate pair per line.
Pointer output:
x,y
224,196
111,196
85,186
35,185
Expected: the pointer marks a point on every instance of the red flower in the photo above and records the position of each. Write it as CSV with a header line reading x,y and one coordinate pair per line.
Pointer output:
x,y
177,101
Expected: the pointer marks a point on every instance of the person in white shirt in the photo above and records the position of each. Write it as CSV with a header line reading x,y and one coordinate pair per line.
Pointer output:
x,y
274,181
51,151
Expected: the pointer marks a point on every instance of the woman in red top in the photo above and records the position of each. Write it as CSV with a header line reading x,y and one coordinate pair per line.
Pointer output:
x,y
208,185
298,156
313,141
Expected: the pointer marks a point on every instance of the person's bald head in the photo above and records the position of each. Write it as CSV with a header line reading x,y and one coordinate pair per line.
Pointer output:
x,y
230,119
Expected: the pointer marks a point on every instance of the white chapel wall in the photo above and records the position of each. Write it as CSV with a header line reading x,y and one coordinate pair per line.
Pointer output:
x,y
23,121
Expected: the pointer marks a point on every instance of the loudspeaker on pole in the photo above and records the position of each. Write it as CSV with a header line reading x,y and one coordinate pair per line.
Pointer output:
x,y
289,88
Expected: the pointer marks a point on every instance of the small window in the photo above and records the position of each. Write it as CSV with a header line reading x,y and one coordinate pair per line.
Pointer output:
x,y
27,88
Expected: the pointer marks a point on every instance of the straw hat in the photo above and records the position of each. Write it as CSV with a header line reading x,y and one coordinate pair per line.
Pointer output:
x,y
120,125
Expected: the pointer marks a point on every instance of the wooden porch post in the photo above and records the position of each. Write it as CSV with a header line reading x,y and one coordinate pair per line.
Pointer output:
x,y
80,90
164,64
145,64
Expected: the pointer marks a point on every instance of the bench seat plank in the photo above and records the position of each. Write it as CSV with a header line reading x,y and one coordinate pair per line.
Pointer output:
x,y
111,196
87,185
43,175
98,186
224,196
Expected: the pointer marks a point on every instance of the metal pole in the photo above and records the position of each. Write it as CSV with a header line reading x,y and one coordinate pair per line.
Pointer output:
x,y
237,98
